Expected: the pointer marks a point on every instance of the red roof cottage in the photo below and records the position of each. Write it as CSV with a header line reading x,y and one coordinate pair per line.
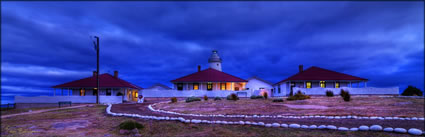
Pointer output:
x,y
109,86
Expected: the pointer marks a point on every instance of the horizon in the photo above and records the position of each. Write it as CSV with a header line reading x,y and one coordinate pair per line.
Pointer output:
x,y
48,43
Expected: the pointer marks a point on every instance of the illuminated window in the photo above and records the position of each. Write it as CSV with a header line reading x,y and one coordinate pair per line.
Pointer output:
x,y
209,86
236,88
222,86
308,84
336,84
322,84
195,86
136,94
82,92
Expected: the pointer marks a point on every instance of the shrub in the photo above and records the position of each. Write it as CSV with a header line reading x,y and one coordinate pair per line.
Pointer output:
x,y
298,96
173,100
205,98
278,100
130,124
233,97
342,93
256,97
347,96
329,93
217,98
412,91
119,94
265,95
191,99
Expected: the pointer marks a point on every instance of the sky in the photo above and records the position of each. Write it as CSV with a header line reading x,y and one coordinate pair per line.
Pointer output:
x,y
48,43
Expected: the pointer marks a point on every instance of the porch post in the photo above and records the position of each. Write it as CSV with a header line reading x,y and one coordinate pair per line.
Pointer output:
x,y
216,86
54,91
231,87
365,83
112,91
304,86
200,86
68,92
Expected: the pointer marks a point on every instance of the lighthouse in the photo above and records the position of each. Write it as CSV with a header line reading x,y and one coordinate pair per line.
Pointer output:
x,y
215,61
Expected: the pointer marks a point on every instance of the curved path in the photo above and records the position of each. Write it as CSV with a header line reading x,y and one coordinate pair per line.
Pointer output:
x,y
142,109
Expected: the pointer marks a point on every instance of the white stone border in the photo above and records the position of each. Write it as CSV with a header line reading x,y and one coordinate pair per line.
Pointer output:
x,y
281,116
412,131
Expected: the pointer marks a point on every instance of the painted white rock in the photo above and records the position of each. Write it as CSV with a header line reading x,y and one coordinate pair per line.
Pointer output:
x,y
354,129
337,117
388,129
332,127
402,119
241,122
247,122
224,122
268,125
373,117
312,127
421,118
364,128
254,123
415,131
260,123
407,118
304,126
414,118
294,126
388,118
381,118
284,125
276,125
330,117
349,116
322,127
187,121
400,130
355,117
375,128
343,129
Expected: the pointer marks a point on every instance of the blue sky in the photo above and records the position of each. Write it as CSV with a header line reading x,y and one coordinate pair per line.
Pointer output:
x,y
47,43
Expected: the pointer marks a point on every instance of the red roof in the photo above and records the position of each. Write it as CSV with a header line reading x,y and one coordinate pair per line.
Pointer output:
x,y
316,73
105,81
209,75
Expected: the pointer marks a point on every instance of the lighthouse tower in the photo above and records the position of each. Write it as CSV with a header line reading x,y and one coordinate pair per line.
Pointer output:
x,y
215,61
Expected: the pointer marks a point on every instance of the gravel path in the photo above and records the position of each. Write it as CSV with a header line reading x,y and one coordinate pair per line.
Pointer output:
x,y
142,109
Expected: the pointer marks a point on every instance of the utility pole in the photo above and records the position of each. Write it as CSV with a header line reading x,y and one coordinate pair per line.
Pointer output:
x,y
97,71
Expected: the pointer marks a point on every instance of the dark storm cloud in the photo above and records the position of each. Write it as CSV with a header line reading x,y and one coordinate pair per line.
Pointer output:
x,y
48,43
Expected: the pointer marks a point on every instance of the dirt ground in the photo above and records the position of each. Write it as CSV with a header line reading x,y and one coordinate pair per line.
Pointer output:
x,y
317,105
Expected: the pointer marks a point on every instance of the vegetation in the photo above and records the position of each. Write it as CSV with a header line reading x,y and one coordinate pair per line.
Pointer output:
x,y
412,91
233,97
298,96
130,124
217,98
278,100
192,99
173,100
342,93
345,95
205,98
256,97
119,94
329,93
265,95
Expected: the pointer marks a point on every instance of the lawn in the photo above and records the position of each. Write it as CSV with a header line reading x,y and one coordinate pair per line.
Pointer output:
x,y
317,105
92,121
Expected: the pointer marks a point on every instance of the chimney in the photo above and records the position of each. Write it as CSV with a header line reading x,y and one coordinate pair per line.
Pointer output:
x,y
94,73
300,67
199,68
115,74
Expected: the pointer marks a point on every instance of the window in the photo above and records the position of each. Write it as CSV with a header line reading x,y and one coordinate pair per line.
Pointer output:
x,y
261,88
82,92
195,86
108,92
272,91
308,84
336,84
278,89
179,86
95,92
322,84
222,86
217,64
136,94
236,88
209,86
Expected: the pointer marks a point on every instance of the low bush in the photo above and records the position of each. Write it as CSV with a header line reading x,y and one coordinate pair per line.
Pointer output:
x,y
256,97
412,91
265,95
130,124
329,93
347,96
173,100
343,93
217,98
233,97
205,98
298,96
191,99
278,100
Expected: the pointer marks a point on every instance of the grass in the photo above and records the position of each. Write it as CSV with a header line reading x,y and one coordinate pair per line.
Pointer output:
x,y
103,125
359,105
15,111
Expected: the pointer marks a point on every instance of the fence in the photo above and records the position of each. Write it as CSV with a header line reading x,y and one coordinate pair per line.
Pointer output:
x,y
354,91
8,106
73,99
196,93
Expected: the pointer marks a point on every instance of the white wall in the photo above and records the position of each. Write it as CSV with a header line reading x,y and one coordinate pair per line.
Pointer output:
x,y
353,91
189,93
73,99
255,84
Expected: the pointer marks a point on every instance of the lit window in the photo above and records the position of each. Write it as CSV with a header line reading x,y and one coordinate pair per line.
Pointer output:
x,y
209,86
82,92
336,84
308,84
222,86
322,84
195,86
136,94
